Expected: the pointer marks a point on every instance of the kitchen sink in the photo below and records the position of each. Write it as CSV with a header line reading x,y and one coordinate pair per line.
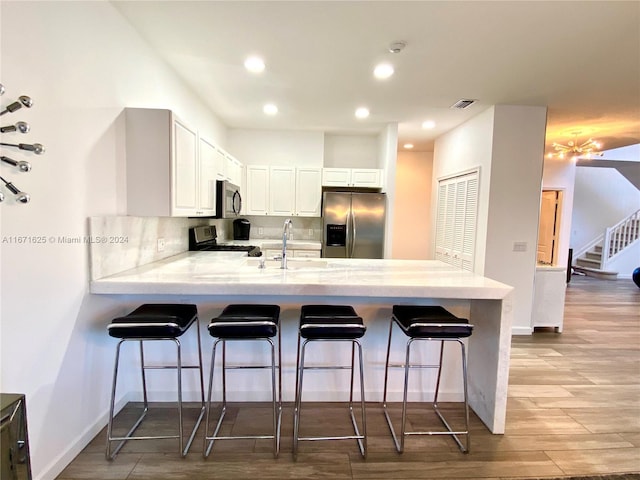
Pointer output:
x,y
292,263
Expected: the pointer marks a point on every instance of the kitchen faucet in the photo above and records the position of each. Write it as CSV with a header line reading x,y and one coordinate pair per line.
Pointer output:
x,y
286,231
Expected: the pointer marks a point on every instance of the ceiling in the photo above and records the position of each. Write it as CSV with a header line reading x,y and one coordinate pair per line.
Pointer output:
x,y
579,58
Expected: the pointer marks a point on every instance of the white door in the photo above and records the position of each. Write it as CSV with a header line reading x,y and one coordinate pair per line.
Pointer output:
x,y
548,228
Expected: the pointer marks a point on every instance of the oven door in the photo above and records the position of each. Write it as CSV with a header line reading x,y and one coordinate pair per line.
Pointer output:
x,y
229,200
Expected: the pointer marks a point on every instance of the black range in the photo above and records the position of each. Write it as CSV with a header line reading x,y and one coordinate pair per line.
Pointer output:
x,y
204,238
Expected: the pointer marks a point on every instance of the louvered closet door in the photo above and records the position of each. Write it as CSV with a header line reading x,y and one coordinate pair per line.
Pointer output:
x,y
456,220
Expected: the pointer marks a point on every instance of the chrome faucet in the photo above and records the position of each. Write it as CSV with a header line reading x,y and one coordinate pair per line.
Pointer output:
x,y
286,231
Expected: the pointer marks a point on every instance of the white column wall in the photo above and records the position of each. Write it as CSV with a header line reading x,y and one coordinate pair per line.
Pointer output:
x,y
82,63
507,143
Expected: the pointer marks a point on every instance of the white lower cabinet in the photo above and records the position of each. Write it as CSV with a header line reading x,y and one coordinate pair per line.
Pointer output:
x,y
306,253
291,253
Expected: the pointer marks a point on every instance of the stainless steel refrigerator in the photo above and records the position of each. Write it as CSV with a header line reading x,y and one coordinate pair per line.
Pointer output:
x,y
353,224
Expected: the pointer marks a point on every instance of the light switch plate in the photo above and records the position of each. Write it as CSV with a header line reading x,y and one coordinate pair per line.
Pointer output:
x,y
519,246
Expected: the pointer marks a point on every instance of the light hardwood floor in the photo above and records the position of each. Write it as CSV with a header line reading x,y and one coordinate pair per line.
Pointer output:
x,y
573,409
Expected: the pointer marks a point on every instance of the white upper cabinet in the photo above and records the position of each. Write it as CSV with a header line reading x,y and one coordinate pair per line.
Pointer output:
x,y
171,169
207,175
308,192
283,191
352,177
233,170
184,163
257,192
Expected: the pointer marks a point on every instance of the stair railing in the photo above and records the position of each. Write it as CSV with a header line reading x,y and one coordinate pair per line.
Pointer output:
x,y
619,237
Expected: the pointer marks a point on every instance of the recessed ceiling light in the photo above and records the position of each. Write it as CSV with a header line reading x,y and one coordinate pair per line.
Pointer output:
x,y
383,71
254,64
362,112
270,109
428,124
408,146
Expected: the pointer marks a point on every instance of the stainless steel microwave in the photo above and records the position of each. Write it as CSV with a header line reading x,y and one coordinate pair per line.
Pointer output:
x,y
228,199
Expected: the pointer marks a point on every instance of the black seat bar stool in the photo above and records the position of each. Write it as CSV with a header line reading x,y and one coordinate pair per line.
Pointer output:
x,y
330,323
246,323
427,323
151,323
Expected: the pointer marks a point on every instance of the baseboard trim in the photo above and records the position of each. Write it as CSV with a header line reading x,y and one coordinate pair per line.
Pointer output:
x,y
521,330
58,464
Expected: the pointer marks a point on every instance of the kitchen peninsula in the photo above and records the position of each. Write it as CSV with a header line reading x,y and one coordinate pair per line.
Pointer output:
x,y
215,279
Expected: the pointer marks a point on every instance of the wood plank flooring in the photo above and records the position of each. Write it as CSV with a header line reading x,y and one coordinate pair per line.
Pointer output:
x,y
573,410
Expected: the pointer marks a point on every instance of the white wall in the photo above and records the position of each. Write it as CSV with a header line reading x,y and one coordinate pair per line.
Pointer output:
x,y
464,148
82,63
351,151
277,147
388,158
412,207
603,197
507,143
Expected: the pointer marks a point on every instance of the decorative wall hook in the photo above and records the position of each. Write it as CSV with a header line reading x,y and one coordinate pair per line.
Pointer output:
x,y
22,127
21,197
21,164
23,101
36,148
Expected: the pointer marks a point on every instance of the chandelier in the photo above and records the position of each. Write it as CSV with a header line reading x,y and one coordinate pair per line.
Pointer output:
x,y
574,150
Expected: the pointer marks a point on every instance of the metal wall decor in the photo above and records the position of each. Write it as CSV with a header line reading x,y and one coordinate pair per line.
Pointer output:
x,y
20,127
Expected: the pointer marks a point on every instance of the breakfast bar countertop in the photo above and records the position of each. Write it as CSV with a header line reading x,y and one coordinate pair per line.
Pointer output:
x,y
370,285
223,273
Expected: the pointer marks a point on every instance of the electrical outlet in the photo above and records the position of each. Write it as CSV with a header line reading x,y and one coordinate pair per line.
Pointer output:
x,y
260,231
310,232
161,244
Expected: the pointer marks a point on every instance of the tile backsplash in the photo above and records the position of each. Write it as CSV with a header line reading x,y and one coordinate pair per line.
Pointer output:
x,y
131,242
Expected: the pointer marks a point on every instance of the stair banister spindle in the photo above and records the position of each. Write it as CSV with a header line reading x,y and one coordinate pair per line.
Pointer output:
x,y
606,249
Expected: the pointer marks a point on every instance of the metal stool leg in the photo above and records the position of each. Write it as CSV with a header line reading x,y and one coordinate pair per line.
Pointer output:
x,y
361,438
463,448
298,399
399,442
110,438
276,397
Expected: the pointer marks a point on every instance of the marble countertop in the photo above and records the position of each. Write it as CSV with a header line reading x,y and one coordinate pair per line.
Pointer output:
x,y
232,273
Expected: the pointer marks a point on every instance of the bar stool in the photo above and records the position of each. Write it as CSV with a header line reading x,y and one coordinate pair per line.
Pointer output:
x,y
427,323
330,323
256,323
153,323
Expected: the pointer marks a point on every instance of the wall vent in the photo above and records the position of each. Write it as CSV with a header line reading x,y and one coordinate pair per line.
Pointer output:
x,y
464,103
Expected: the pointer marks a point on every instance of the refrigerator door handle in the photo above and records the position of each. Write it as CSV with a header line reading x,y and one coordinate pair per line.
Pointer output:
x,y
353,234
348,239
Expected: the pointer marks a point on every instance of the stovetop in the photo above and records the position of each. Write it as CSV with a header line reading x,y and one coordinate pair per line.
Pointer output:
x,y
204,238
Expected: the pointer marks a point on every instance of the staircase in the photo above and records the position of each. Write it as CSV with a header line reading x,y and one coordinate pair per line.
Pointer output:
x,y
604,249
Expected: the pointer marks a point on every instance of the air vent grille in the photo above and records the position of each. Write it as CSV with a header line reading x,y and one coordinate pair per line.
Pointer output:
x,y
464,103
